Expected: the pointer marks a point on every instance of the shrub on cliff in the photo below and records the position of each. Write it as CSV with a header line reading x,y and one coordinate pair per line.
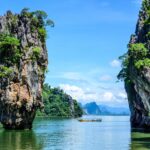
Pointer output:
x,y
5,72
137,51
137,55
9,48
39,21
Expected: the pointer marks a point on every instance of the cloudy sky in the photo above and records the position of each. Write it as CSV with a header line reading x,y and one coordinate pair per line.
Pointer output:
x,y
85,43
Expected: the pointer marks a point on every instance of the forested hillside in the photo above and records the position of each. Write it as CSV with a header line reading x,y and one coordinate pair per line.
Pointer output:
x,y
58,104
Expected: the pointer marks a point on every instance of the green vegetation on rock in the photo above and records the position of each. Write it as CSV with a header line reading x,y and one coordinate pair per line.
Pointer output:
x,y
5,72
137,51
123,74
9,48
7,41
59,104
138,56
39,22
142,63
10,45
36,52
42,33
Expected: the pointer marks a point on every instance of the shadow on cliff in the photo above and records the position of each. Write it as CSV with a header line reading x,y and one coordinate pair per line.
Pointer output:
x,y
140,141
19,140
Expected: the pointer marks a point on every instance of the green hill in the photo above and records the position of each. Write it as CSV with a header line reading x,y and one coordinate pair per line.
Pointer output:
x,y
58,104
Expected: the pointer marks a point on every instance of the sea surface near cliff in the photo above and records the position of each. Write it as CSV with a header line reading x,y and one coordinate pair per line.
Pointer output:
x,y
113,133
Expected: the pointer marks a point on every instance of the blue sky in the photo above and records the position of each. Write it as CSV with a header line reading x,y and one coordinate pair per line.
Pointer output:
x,y
85,43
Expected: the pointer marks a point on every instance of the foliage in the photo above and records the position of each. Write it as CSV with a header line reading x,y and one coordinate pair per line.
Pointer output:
x,y
42,17
9,48
137,55
39,21
145,5
146,9
78,112
58,104
7,41
148,35
36,52
42,33
43,70
25,12
5,72
142,63
49,22
38,16
137,51
9,53
123,74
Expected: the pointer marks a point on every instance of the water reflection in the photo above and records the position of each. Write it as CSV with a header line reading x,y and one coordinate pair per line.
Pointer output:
x,y
19,140
140,141
113,133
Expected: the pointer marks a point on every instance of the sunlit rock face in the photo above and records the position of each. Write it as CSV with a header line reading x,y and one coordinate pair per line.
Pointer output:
x,y
23,62
137,71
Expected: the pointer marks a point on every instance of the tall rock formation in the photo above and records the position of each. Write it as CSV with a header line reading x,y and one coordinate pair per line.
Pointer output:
x,y
136,71
23,62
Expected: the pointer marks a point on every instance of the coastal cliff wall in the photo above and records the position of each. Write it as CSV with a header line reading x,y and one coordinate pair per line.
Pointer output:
x,y
23,62
136,70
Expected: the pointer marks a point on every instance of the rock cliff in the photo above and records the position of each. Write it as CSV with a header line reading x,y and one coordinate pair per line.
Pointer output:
x,y
136,71
23,62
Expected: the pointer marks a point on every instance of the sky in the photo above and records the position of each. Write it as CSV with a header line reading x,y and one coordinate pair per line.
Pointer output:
x,y
84,46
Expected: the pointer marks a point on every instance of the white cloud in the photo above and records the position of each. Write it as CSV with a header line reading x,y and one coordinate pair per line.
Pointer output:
x,y
70,88
105,78
108,96
94,88
78,93
86,94
115,63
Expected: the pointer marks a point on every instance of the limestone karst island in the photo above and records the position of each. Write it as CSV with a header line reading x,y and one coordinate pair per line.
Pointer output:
x,y
75,75
23,64
136,71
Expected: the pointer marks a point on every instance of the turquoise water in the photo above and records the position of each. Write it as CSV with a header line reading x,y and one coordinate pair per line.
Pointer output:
x,y
113,133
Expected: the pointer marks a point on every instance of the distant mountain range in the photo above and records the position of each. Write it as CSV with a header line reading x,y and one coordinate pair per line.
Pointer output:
x,y
94,109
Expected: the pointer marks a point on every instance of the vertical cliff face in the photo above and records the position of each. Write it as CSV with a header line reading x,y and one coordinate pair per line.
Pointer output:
x,y
136,70
23,62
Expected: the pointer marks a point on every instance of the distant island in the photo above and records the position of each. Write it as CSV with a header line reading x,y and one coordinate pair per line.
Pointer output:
x,y
94,109
59,104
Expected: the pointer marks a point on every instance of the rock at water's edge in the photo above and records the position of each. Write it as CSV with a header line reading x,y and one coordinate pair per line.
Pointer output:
x,y
136,71
21,81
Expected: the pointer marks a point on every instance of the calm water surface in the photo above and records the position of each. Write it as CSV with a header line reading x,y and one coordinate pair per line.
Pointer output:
x,y
113,133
